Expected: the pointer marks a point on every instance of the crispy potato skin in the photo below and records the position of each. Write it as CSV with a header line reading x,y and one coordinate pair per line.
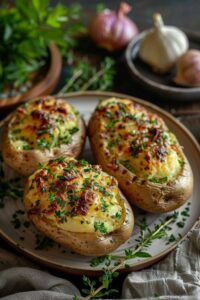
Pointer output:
x,y
88,244
151,197
25,162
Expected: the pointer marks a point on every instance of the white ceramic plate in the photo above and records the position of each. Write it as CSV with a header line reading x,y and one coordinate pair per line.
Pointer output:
x,y
26,238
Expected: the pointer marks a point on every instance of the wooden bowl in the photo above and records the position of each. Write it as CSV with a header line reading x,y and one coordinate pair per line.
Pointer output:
x,y
160,85
44,86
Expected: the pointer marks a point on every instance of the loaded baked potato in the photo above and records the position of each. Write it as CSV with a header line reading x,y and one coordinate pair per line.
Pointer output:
x,y
40,130
79,206
135,146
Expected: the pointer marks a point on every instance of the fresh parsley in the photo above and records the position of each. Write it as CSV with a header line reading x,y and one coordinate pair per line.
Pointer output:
x,y
27,29
100,226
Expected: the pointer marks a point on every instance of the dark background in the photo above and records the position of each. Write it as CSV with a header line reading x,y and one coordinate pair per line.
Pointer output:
x,y
182,13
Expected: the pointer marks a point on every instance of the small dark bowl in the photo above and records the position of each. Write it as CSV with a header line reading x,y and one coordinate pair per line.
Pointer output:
x,y
159,84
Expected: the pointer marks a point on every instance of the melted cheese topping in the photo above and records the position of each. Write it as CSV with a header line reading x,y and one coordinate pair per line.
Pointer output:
x,y
75,196
139,140
43,124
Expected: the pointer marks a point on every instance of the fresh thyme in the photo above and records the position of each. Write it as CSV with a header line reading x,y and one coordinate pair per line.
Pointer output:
x,y
8,188
85,76
43,243
92,289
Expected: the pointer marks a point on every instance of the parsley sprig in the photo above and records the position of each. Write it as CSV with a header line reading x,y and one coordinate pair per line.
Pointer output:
x,y
27,30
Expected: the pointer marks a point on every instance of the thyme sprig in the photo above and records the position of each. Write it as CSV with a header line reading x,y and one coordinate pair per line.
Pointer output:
x,y
109,273
85,76
8,188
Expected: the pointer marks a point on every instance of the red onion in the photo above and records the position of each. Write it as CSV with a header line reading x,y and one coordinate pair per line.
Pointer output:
x,y
112,30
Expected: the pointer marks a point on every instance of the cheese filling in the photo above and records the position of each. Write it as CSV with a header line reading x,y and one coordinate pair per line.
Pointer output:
x,y
43,124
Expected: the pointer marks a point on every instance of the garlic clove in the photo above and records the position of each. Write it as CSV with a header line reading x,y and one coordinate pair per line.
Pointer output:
x,y
162,45
188,69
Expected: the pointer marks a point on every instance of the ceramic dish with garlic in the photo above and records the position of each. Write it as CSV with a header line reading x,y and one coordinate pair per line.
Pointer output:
x,y
165,48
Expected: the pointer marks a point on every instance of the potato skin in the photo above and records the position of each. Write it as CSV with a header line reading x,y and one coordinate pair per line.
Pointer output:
x,y
88,244
25,162
151,197
50,193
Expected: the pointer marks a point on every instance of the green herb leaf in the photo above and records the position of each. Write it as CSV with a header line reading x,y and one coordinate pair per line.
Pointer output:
x,y
100,226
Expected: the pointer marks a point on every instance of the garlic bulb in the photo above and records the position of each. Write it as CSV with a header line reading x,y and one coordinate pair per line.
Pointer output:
x,y
162,45
188,69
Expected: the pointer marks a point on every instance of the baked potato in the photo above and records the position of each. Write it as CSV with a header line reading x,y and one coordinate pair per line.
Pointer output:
x,y
136,147
40,130
79,206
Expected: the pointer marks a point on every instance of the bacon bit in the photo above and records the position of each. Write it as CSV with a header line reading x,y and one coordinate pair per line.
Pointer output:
x,y
120,126
102,110
129,150
40,179
38,101
70,187
69,176
54,108
41,100
31,127
141,127
39,115
155,132
51,208
81,206
120,147
160,153
61,110
60,186
47,106
148,157
21,110
126,135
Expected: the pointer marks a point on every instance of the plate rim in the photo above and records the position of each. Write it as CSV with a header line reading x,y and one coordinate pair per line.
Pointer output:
x,y
151,83
135,266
